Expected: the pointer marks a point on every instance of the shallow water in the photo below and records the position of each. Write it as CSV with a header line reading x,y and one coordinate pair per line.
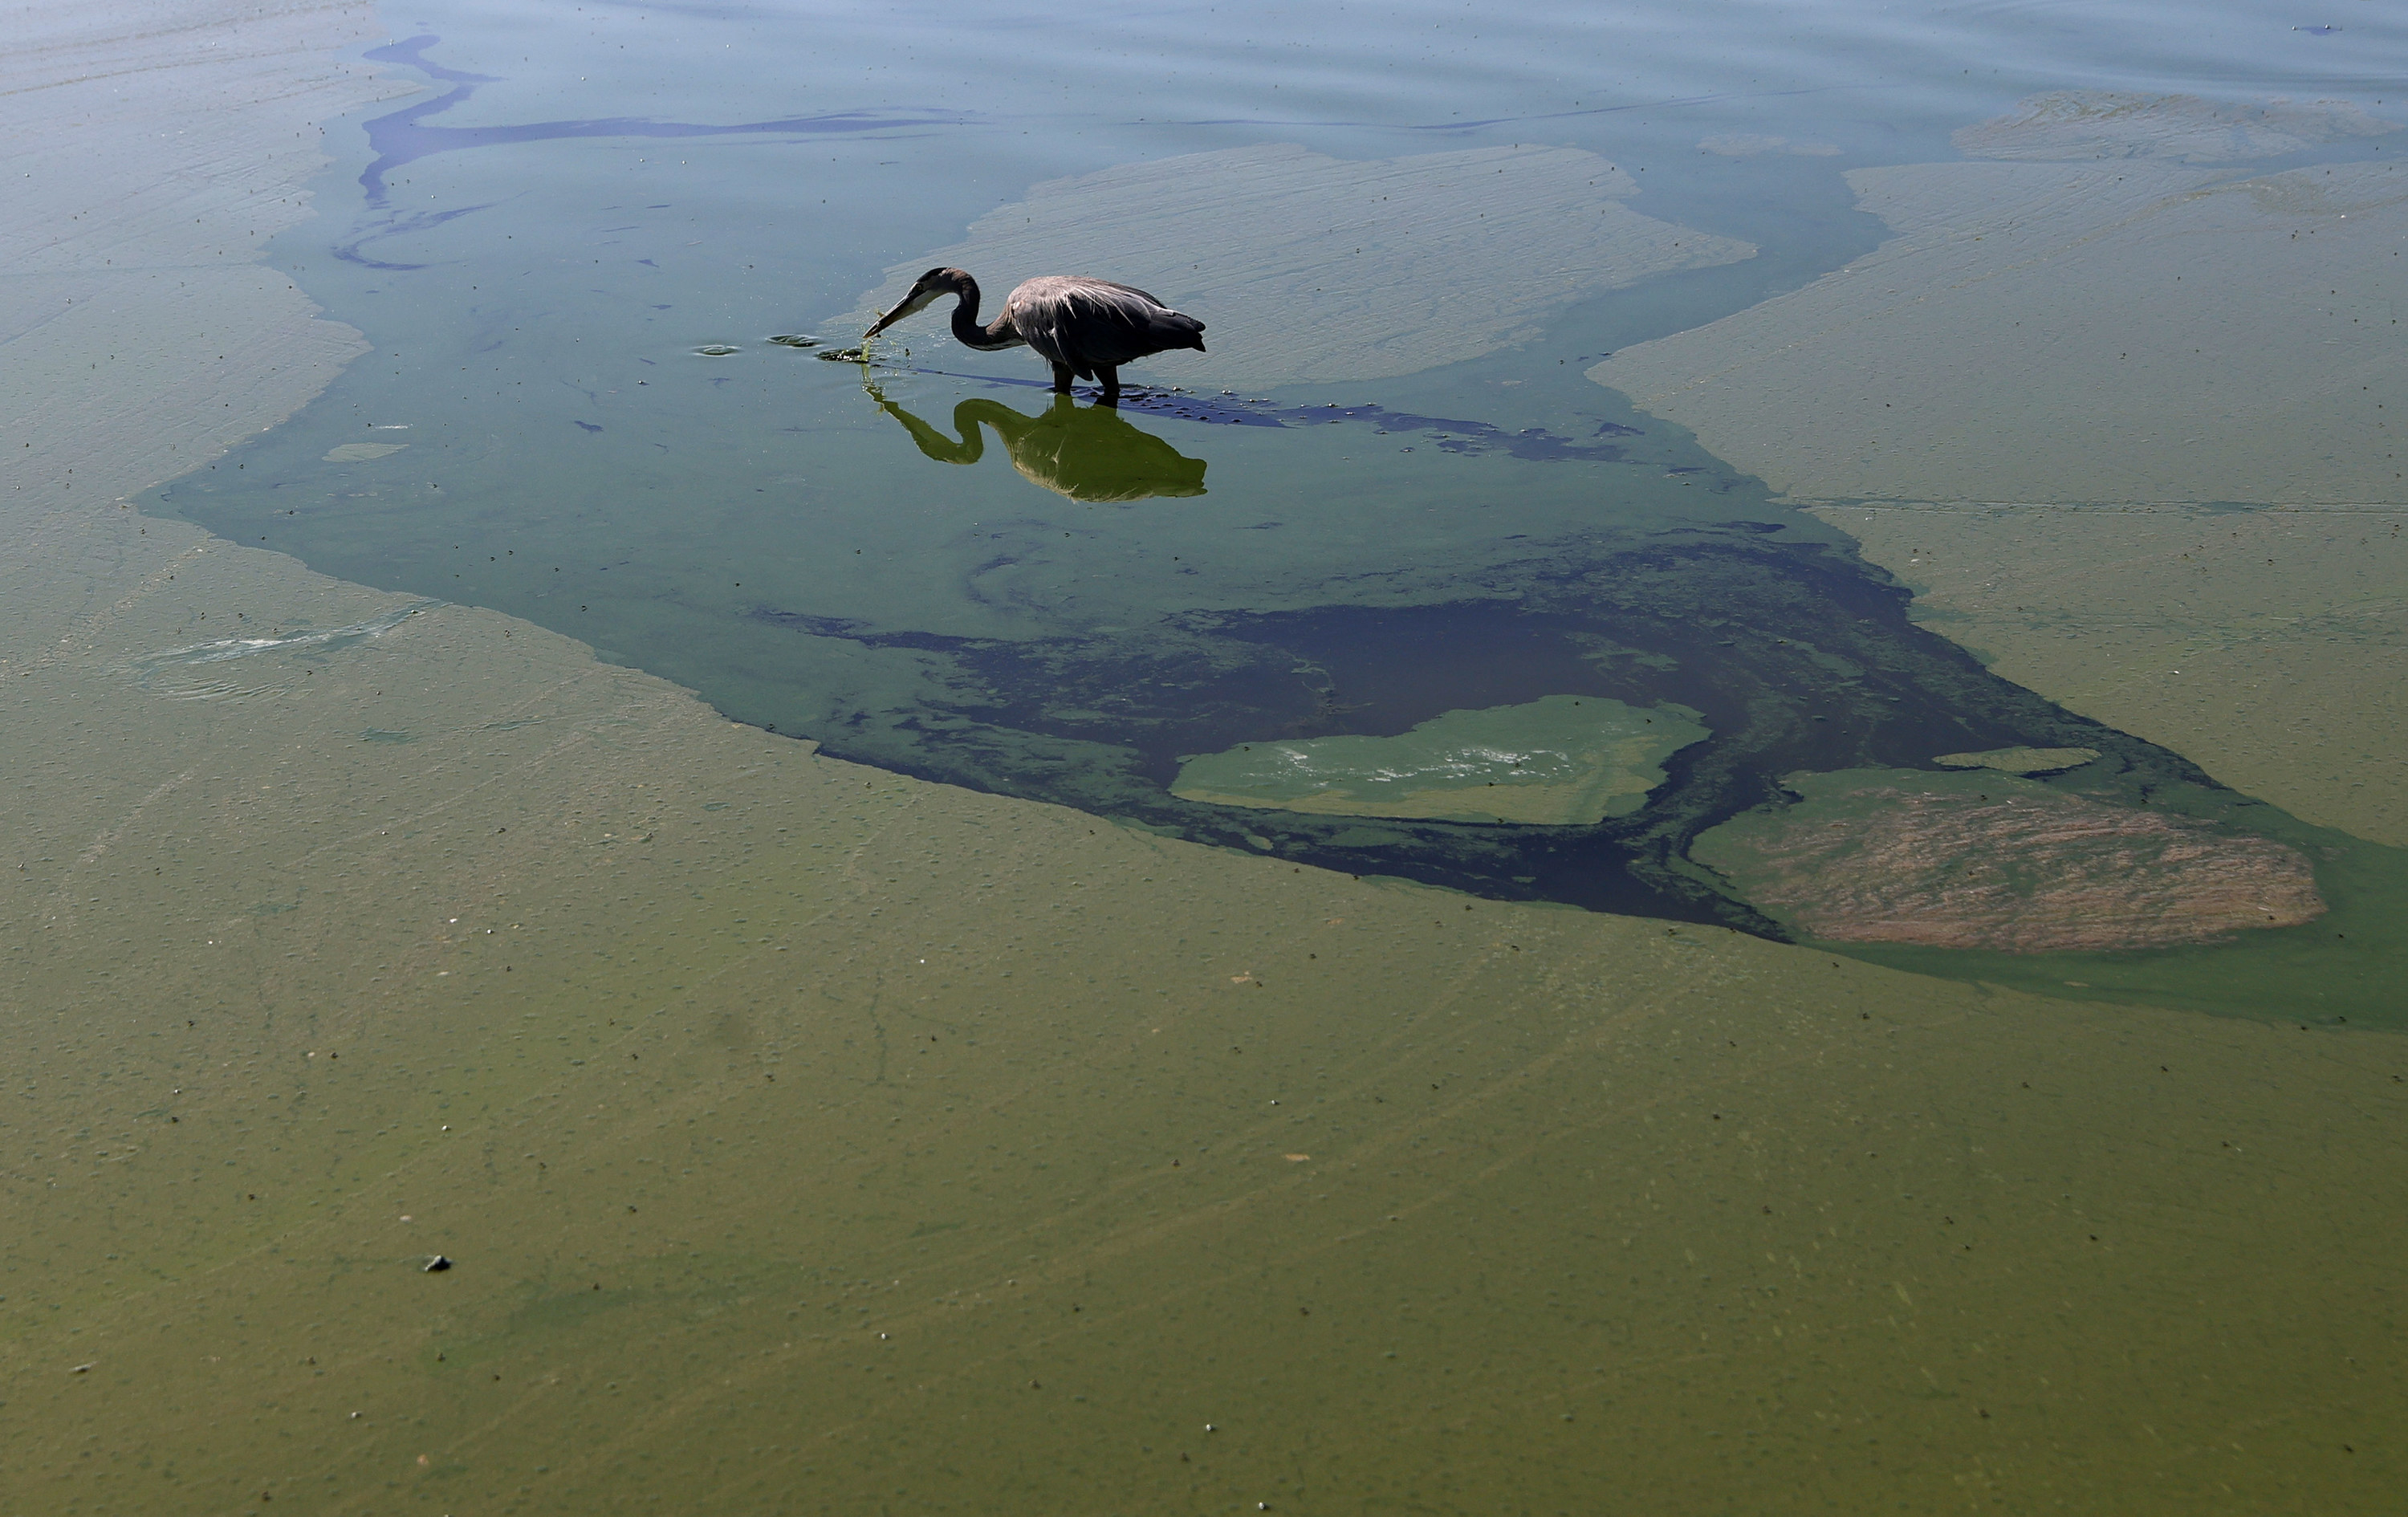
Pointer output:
x,y
593,405
936,1151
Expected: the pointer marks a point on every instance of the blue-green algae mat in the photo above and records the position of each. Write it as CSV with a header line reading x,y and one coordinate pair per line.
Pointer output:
x,y
597,401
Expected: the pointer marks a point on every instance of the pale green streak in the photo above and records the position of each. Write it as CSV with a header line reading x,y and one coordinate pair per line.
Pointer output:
x,y
1562,760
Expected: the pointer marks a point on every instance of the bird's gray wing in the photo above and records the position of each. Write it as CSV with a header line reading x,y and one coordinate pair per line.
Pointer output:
x,y
1088,324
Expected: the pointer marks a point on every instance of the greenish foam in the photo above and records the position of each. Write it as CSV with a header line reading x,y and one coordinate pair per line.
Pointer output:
x,y
1559,760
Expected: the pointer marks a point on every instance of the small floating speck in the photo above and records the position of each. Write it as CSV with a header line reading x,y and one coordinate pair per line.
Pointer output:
x,y
845,355
437,1264
714,349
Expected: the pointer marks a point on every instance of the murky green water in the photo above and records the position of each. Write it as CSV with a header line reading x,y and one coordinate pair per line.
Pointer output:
x,y
809,1136
600,265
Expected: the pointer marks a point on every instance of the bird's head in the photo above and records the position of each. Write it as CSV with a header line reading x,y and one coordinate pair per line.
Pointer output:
x,y
924,290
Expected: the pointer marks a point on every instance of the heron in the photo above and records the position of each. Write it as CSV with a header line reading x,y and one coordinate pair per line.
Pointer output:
x,y
1082,327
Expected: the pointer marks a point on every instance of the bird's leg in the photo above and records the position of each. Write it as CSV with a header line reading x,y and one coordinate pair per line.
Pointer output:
x,y
1111,395
1061,378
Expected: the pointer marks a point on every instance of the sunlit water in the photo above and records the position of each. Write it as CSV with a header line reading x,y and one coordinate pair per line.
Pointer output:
x,y
573,256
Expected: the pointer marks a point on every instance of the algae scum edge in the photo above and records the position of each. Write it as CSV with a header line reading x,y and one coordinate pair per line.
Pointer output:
x,y
1354,573
1791,655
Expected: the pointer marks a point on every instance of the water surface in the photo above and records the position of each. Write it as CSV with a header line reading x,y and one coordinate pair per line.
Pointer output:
x,y
594,404
808,1134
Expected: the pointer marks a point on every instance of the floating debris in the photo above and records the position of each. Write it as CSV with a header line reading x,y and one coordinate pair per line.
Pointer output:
x,y
437,1264
845,355
796,339
715,349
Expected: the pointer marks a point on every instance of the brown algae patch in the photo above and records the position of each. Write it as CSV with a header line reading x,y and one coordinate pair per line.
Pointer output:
x,y
1980,862
1559,760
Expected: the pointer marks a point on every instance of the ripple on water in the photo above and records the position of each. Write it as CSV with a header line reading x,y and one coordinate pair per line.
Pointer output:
x,y
162,672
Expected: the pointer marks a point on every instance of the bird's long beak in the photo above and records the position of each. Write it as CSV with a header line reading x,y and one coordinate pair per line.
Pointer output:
x,y
918,300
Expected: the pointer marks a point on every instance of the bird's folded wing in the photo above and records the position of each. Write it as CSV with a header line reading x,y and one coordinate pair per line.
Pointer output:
x,y
1092,324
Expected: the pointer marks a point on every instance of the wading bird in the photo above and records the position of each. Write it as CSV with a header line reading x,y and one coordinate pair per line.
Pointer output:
x,y
1082,327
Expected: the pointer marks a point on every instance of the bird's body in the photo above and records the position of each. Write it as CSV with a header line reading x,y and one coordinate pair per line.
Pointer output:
x,y
1084,327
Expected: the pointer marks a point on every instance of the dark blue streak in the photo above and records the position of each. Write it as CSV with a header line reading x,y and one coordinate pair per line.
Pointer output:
x,y
404,136
415,221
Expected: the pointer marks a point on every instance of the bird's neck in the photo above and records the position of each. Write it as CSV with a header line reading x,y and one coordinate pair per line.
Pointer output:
x,y
966,322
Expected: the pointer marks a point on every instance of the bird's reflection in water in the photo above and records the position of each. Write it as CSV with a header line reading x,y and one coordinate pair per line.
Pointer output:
x,y
1086,452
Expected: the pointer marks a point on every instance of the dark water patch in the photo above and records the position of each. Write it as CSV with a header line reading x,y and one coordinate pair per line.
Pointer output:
x,y
1795,657
403,137
1369,557
352,249
412,51
1799,661
1077,644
